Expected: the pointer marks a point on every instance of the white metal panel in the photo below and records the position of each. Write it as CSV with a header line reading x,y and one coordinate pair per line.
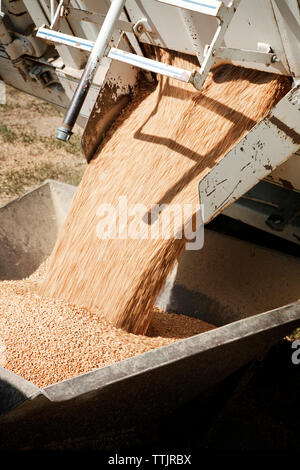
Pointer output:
x,y
254,22
168,27
271,142
287,15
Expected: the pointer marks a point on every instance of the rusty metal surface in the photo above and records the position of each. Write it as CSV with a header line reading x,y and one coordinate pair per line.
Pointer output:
x,y
106,109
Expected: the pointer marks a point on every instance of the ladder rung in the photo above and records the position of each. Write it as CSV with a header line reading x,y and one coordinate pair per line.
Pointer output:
x,y
117,54
208,7
150,65
61,38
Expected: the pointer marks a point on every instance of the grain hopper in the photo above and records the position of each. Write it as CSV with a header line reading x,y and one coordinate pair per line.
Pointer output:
x,y
54,50
251,310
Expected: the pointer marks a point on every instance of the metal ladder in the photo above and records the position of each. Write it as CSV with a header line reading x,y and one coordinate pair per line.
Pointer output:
x,y
101,48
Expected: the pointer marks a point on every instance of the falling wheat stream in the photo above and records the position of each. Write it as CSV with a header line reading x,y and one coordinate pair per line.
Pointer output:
x,y
157,151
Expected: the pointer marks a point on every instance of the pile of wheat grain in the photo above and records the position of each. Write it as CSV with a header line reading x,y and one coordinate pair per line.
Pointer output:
x,y
45,340
156,152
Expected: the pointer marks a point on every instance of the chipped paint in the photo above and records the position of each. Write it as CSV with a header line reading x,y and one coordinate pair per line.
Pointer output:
x,y
106,109
288,131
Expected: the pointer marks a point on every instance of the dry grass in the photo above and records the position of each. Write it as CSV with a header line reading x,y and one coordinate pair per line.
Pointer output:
x,y
15,182
29,152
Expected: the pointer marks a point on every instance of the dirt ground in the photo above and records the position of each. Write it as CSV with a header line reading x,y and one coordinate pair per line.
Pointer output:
x,y
29,151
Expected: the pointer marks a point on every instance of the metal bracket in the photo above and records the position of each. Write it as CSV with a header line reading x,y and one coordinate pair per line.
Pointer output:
x,y
44,75
56,17
141,26
242,55
225,15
